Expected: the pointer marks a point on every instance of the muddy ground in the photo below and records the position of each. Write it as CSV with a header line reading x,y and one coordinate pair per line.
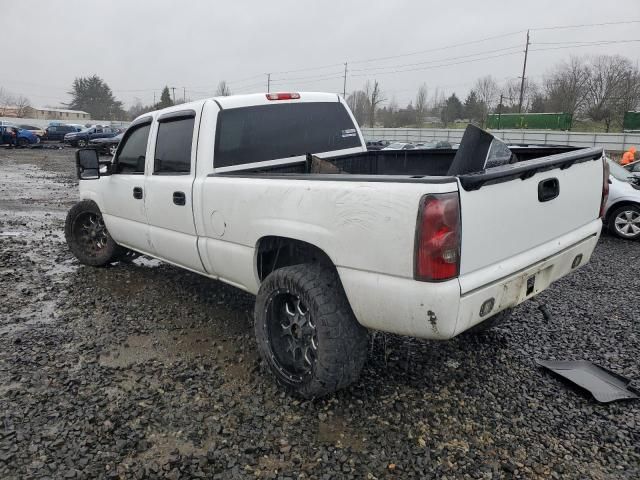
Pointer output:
x,y
143,370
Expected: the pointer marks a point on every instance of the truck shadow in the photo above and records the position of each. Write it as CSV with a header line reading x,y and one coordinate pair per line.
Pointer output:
x,y
183,316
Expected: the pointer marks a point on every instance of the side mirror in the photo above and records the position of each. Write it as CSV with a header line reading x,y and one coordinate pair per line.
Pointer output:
x,y
87,164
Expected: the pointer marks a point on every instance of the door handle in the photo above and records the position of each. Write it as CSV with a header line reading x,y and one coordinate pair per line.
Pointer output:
x,y
179,198
548,189
137,193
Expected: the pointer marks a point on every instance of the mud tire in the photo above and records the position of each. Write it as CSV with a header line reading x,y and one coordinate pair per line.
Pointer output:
x,y
341,344
96,257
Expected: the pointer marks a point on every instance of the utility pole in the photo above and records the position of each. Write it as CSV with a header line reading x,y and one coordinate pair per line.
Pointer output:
x,y
524,69
154,97
500,110
344,86
268,82
174,94
184,95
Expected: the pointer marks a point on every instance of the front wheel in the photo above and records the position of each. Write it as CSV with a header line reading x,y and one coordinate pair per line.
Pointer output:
x,y
306,331
113,149
23,142
87,236
624,222
82,143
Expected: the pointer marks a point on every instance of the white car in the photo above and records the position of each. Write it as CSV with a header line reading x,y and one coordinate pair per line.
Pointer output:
x,y
277,195
622,211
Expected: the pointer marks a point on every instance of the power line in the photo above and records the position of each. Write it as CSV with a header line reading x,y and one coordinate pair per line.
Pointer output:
x,y
442,65
446,47
580,46
562,27
435,61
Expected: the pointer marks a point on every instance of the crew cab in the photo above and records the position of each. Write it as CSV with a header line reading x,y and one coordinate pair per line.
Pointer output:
x,y
277,195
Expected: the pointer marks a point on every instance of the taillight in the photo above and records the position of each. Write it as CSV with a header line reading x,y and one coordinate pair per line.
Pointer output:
x,y
437,248
605,186
283,96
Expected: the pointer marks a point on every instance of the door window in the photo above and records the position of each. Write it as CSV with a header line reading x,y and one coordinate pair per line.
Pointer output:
x,y
133,149
173,147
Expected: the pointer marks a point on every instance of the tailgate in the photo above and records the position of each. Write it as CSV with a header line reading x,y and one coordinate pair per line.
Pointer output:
x,y
514,208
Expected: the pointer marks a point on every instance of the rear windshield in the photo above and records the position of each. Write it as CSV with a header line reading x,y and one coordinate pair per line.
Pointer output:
x,y
282,130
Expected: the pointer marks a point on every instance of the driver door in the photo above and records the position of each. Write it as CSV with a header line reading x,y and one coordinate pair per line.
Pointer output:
x,y
123,208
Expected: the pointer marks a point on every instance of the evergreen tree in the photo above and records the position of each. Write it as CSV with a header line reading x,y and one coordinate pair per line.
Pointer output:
x,y
472,108
165,99
452,110
93,95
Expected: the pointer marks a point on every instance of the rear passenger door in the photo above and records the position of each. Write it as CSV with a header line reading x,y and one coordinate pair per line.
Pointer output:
x,y
169,190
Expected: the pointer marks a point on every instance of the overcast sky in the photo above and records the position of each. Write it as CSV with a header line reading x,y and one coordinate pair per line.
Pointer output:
x,y
137,46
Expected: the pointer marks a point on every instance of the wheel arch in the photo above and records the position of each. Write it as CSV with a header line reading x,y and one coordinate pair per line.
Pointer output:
x,y
273,252
620,203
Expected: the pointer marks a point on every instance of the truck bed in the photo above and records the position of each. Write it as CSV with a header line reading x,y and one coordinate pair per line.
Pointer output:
x,y
430,166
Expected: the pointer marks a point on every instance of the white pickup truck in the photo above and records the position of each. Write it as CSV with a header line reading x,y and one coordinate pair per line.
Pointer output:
x,y
276,194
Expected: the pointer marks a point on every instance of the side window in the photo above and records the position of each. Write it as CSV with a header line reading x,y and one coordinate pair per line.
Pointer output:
x,y
173,147
133,150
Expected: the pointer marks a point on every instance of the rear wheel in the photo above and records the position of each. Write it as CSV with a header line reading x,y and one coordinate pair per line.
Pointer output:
x,y
306,331
624,222
112,150
87,236
23,142
82,143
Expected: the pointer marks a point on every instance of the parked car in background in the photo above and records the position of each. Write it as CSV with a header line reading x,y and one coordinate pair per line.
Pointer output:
x,y
38,131
83,137
25,137
633,167
622,210
377,144
106,146
400,146
57,132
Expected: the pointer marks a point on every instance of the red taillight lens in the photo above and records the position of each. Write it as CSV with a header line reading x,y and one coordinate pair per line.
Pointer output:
x,y
283,96
437,255
605,186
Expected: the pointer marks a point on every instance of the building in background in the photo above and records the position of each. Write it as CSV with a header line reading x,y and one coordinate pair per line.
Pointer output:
x,y
45,113
57,114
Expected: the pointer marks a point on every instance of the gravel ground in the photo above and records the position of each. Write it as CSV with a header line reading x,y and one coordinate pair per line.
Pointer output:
x,y
143,370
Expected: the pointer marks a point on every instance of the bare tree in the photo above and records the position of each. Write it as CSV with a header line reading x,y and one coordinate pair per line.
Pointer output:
x,y
376,97
358,102
22,105
223,89
566,87
421,104
5,101
487,91
607,82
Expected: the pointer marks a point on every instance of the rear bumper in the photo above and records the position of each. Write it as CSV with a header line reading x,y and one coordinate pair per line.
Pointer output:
x,y
440,311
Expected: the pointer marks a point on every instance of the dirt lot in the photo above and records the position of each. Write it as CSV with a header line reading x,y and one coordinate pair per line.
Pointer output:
x,y
145,371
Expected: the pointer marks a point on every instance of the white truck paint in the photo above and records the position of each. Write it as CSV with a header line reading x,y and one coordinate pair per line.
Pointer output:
x,y
366,226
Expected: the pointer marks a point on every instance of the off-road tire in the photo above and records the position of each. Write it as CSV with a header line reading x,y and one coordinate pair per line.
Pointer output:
x,y
498,319
341,349
634,211
109,253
